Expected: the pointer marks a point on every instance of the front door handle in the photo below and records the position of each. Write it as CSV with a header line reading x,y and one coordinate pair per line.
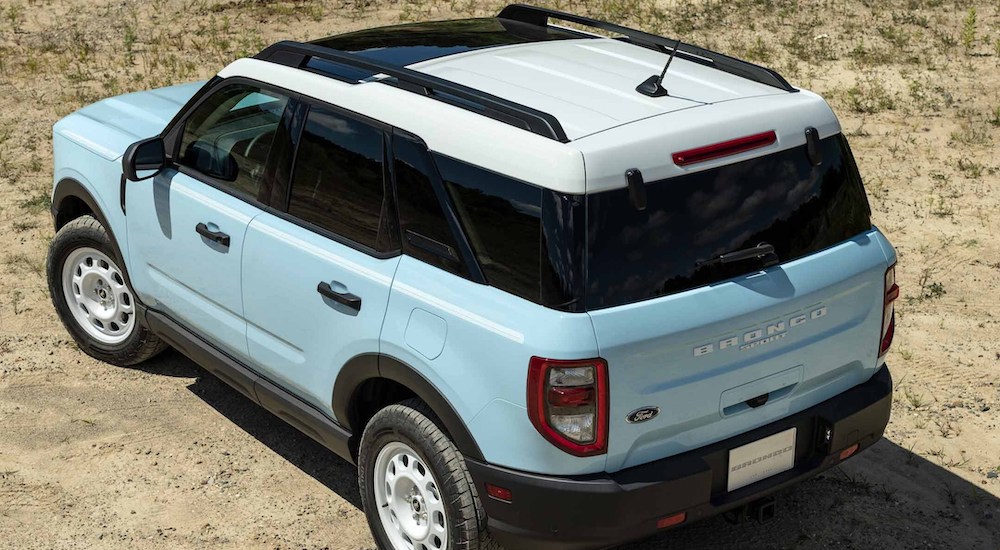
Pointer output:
x,y
214,236
345,298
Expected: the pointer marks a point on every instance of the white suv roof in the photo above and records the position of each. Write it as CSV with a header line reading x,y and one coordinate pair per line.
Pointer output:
x,y
548,105
589,85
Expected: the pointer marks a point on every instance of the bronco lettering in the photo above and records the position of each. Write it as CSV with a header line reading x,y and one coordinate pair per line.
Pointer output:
x,y
755,337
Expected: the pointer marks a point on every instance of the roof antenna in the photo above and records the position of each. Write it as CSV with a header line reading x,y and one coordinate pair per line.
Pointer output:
x,y
653,86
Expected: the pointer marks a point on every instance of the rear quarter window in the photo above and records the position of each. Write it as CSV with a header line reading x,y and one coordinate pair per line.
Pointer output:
x,y
502,220
426,233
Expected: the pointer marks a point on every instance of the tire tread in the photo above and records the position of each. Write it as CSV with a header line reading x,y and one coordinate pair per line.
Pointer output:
x,y
143,344
415,416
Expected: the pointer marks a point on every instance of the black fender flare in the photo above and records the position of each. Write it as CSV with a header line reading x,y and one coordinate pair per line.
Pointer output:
x,y
371,366
71,188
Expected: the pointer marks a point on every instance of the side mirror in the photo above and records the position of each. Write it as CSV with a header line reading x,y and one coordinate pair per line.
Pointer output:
x,y
147,156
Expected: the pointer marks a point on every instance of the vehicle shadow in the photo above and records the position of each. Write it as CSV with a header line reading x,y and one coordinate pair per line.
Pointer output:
x,y
298,449
886,497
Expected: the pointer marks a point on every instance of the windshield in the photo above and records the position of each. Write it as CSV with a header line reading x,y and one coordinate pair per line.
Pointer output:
x,y
780,199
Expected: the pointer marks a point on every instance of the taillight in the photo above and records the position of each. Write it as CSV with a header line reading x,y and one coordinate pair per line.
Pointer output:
x,y
724,149
888,311
568,403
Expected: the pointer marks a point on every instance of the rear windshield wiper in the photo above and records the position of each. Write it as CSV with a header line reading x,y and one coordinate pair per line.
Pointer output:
x,y
763,251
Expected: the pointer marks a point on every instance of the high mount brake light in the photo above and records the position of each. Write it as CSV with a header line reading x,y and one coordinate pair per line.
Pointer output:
x,y
888,311
725,149
568,403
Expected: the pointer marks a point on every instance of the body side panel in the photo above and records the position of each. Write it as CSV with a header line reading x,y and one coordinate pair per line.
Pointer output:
x,y
88,144
297,337
483,366
176,270
100,178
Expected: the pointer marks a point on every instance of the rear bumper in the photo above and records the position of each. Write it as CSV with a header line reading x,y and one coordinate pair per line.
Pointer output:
x,y
601,510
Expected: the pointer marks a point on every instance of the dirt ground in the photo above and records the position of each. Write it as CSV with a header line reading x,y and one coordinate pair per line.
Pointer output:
x,y
165,456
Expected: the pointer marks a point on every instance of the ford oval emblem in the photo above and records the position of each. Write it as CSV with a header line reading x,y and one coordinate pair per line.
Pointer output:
x,y
642,415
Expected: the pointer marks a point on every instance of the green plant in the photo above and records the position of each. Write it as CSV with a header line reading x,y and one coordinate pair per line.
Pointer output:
x,y
24,225
969,29
929,289
15,300
973,128
15,14
869,97
970,168
41,202
129,37
866,55
995,115
20,261
929,96
896,35
916,400
759,51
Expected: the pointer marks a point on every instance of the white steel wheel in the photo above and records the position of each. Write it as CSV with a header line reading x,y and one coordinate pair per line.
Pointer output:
x,y
409,500
97,296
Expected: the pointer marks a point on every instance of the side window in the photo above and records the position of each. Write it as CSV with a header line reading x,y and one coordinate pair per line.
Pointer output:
x,y
426,234
229,136
502,220
338,180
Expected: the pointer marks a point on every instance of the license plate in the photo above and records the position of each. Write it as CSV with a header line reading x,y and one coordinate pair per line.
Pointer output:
x,y
761,459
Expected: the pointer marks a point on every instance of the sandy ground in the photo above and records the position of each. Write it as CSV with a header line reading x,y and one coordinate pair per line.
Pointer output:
x,y
165,456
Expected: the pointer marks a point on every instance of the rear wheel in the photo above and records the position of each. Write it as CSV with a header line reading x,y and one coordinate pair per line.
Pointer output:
x,y
415,488
93,298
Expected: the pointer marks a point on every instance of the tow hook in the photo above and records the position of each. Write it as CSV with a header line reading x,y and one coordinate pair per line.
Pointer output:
x,y
761,511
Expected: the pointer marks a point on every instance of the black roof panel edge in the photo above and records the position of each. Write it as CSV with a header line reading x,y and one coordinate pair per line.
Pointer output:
x,y
410,43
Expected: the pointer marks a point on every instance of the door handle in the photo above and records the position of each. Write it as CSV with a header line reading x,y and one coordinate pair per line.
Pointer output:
x,y
214,236
345,298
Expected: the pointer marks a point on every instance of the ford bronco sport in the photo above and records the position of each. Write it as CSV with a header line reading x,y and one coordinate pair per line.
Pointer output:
x,y
546,288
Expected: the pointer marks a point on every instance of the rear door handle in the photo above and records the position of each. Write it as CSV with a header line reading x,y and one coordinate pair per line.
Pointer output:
x,y
345,298
214,236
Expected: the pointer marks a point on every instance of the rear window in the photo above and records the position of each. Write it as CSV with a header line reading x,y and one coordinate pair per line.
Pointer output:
x,y
780,199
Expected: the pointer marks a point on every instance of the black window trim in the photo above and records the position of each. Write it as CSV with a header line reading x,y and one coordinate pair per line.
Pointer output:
x,y
297,108
303,106
172,136
465,253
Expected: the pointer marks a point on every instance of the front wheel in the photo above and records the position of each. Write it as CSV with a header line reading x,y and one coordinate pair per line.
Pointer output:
x,y
92,297
415,488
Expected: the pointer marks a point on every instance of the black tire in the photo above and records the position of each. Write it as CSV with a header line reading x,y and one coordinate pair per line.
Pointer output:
x,y
86,231
413,423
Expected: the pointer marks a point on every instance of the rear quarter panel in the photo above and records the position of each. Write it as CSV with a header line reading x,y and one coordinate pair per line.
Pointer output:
x,y
473,342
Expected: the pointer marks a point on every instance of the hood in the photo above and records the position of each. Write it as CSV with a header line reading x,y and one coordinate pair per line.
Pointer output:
x,y
109,126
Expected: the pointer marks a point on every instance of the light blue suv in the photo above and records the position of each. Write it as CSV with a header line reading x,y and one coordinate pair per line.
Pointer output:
x,y
547,289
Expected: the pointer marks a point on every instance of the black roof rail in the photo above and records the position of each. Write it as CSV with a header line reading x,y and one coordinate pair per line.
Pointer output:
x,y
540,16
297,54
